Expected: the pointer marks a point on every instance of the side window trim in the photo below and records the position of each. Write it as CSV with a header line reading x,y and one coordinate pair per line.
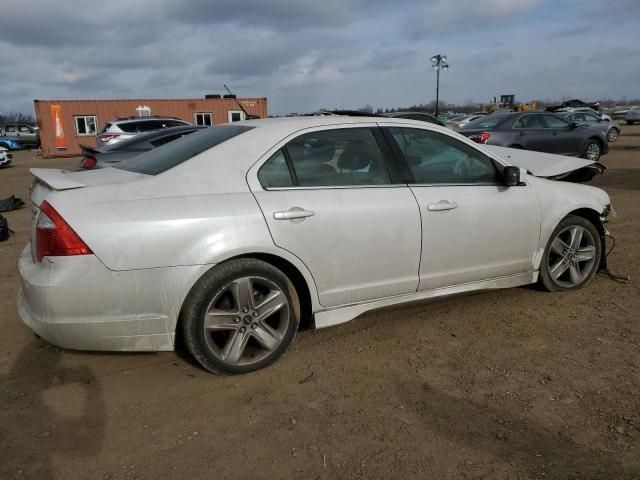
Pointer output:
x,y
292,170
389,155
398,154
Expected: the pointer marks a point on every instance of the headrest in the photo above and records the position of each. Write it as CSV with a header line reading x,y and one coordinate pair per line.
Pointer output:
x,y
316,151
355,157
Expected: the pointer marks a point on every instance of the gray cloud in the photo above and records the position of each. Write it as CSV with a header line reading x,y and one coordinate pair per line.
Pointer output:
x,y
307,54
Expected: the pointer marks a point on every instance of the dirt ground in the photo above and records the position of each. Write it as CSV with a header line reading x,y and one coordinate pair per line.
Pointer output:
x,y
514,384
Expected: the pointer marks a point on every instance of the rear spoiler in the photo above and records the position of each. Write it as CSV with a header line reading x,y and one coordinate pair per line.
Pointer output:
x,y
55,179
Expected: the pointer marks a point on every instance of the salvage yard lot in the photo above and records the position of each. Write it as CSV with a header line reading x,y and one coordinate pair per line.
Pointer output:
x,y
506,384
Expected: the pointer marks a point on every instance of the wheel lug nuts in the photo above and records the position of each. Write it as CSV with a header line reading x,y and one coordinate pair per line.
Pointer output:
x,y
254,326
242,330
245,310
236,319
255,314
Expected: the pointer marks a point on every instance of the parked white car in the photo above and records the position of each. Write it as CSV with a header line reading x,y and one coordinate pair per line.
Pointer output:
x,y
236,235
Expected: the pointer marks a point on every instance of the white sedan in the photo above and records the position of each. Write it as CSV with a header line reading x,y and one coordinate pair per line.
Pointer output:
x,y
236,236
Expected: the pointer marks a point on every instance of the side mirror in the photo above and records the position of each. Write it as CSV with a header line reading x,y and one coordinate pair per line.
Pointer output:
x,y
574,125
513,176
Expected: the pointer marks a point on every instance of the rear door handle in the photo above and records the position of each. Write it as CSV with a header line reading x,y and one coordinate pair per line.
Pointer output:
x,y
293,213
441,206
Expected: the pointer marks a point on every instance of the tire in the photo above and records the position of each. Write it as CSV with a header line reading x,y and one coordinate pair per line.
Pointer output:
x,y
570,262
612,135
629,122
592,150
252,316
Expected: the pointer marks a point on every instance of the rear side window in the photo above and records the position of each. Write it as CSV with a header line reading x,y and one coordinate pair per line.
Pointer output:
x,y
530,121
341,157
168,156
487,121
129,127
275,172
106,127
434,158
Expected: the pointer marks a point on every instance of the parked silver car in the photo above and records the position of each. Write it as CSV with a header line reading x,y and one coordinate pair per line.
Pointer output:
x,y
123,128
632,116
610,128
27,135
236,235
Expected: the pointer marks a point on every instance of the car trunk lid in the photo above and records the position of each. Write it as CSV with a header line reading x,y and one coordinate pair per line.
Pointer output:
x,y
48,180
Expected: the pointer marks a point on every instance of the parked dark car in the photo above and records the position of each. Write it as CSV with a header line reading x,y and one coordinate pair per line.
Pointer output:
x,y
575,103
539,131
423,117
110,155
593,120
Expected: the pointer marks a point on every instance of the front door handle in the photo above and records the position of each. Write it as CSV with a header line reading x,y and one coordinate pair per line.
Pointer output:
x,y
441,206
293,214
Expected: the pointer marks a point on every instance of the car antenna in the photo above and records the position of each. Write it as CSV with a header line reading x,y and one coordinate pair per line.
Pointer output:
x,y
246,115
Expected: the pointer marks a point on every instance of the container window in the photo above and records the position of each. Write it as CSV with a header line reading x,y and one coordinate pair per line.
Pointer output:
x,y
86,125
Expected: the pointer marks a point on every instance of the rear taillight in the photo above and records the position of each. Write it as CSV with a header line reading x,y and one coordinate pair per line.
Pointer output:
x,y
107,137
54,236
88,162
480,137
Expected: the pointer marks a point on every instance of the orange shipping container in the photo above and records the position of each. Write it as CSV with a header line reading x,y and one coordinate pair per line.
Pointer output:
x,y
66,124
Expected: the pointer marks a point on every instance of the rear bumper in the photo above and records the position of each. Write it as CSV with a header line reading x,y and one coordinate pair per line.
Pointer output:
x,y
76,302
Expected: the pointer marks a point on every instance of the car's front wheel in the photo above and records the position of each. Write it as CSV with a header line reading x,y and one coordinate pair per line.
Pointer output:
x,y
241,316
572,256
612,135
592,150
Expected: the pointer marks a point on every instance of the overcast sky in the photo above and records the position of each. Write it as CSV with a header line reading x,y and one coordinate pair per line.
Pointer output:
x,y
308,54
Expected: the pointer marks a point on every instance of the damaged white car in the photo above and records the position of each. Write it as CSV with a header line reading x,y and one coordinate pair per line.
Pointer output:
x,y
236,236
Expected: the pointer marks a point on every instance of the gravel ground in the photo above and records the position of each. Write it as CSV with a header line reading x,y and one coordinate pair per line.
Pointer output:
x,y
512,384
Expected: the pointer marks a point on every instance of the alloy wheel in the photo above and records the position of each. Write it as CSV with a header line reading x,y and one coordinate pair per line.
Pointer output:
x,y
593,151
571,256
246,321
612,135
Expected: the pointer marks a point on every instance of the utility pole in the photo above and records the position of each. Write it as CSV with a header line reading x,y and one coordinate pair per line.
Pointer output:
x,y
438,62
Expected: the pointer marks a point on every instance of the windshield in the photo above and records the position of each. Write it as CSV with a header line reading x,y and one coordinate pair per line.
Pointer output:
x,y
171,154
486,121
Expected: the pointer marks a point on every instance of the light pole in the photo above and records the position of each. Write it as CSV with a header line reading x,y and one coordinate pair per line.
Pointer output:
x,y
438,62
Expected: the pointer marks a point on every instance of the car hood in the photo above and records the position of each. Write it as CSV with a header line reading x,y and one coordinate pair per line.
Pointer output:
x,y
548,165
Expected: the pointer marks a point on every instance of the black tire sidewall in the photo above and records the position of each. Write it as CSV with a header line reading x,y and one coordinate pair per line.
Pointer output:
x,y
207,288
545,277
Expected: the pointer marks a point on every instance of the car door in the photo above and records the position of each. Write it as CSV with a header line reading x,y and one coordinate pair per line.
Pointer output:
x,y
329,196
473,227
530,133
562,137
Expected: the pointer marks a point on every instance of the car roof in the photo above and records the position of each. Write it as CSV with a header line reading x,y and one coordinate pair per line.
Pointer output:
x,y
145,119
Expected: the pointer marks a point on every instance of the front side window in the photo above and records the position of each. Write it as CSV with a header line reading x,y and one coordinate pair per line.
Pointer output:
x,y
530,121
591,118
25,129
434,158
86,125
554,121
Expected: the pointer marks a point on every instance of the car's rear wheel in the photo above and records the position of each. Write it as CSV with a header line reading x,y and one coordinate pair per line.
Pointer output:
x,y
612,135
592,150
572,256
240,317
